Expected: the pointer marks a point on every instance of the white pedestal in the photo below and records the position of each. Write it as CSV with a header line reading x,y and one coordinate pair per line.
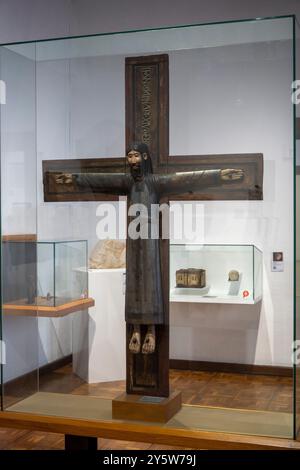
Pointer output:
x,y
99,353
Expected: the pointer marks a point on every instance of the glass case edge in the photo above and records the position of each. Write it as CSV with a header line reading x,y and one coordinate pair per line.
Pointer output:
x,y
244,20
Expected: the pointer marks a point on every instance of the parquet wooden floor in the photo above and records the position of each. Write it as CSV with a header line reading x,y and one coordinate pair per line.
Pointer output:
x,y
267,393
262,393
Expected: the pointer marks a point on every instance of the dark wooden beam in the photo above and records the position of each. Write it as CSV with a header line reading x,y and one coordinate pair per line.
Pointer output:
x,y
147,104
250,188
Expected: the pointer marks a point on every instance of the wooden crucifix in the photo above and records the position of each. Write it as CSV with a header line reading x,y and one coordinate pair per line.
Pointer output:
x,y
147,121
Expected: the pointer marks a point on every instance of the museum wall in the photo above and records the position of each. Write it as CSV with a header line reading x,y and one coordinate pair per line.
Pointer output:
x,y
39,19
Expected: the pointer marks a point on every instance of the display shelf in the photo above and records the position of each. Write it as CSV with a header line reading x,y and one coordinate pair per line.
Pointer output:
x,y
210,298
219,261
47,310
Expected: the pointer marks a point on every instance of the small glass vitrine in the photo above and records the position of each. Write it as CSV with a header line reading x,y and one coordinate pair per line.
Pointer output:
x,y
45,274
232,273
61,272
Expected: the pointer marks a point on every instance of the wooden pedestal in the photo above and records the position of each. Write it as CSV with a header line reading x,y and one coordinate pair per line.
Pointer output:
x,y
80,442
145,408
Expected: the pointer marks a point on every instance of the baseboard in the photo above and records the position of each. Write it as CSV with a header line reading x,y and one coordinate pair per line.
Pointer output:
x,y
231,368
29,376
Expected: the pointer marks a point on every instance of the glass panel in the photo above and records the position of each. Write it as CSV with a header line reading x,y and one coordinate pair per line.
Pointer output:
x,y
225,103
297,248
18,224
297,300
258,274
45,268
71,282
228,97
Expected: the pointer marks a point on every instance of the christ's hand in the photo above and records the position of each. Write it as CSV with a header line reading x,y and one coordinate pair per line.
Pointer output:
x,y
232,175
64,178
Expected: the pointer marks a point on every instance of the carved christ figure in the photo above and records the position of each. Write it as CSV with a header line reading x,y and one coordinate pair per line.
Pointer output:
x,y
144,296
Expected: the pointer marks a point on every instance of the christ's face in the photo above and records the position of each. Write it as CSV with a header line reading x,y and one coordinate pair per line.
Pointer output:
x,y
134,159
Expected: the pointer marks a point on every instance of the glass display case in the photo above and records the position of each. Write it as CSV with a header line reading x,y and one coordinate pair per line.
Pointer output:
x,y
44,275
212,103
233,273
61,272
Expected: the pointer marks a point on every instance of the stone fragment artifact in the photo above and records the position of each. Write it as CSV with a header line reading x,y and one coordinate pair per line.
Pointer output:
x,y
108,254
233,275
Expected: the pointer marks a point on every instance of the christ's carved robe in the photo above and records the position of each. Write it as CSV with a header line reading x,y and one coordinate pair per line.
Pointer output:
x,y
144,295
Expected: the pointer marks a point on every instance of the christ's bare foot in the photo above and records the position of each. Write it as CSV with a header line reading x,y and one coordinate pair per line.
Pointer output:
x,y
149,342
135,342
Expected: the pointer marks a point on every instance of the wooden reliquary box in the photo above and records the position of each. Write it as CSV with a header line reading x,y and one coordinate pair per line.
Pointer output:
x,y
191,277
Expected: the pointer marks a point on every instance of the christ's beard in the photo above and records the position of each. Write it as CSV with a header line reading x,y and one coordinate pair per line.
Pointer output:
x,y
137,173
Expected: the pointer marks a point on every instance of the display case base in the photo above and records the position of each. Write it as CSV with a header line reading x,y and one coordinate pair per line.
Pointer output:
x,y
145,408
48,311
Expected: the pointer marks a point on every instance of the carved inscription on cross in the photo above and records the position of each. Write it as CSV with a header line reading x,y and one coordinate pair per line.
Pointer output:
x,y
147,120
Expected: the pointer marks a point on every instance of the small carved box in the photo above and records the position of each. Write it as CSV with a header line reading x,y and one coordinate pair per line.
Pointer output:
x,y
191,278
182,278
196,278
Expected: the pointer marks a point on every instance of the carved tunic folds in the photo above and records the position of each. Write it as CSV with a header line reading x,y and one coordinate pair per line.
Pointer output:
x,y
144,296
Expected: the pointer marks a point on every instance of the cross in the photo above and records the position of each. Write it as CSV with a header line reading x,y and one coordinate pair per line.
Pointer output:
x,y
147,120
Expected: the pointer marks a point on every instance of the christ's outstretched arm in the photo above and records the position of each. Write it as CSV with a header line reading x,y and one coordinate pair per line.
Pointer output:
x,y
193,181
109,183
